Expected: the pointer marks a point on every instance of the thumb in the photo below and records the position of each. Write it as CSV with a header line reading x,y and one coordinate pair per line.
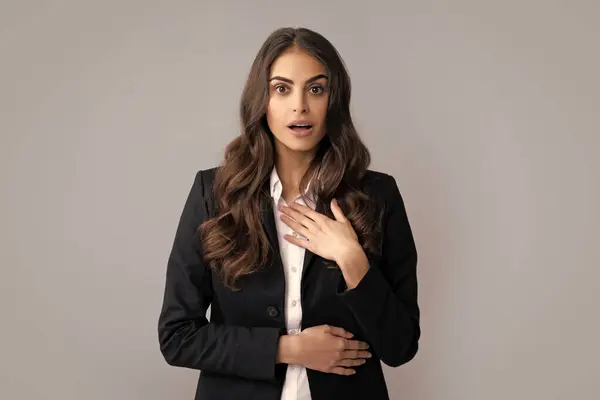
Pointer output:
x,y
341,332
337,211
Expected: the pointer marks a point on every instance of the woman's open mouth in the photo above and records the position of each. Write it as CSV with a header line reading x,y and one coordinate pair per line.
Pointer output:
x,y
300,129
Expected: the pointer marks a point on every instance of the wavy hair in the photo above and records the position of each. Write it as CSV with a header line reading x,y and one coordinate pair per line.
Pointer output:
x,y
234,241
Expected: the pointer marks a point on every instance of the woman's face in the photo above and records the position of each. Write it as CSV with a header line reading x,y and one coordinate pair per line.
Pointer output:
x,y
298,100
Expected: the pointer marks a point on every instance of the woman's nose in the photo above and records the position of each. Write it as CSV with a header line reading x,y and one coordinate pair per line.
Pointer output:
x,y
300,104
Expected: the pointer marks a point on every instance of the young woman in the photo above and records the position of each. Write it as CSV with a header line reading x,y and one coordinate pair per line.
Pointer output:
x,y
306,257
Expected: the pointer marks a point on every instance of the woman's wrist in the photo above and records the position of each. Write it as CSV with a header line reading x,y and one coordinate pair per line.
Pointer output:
x,y
288,349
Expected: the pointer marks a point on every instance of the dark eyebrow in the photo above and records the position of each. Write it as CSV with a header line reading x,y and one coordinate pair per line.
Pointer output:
x,y
291,82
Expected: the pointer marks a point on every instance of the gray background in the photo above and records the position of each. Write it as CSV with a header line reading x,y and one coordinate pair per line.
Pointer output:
x,y
485,112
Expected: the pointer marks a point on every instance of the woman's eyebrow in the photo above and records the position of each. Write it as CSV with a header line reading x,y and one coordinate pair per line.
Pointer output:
x,y
291,82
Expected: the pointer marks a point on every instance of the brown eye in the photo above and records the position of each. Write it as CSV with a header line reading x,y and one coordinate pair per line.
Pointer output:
x,y
280,88
316,90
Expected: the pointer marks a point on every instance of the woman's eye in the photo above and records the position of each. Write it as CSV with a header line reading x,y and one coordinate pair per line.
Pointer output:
x,y
280,89
316,89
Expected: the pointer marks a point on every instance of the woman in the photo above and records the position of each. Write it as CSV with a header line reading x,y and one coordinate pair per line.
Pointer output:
x,y
306,256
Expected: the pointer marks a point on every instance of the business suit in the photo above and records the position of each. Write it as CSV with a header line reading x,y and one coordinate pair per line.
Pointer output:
x,y
236,351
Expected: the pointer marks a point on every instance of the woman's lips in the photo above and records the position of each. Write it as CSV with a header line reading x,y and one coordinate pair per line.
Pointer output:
x,y
300,131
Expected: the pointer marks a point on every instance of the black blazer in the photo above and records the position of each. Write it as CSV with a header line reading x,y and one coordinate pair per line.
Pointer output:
x,y
236,350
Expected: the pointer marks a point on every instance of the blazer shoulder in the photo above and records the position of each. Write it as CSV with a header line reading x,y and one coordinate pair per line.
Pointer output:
x,y
373,175
206,177
377,180
382,186
205,180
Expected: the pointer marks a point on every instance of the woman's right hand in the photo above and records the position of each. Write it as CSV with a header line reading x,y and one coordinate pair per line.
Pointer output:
x,y
329,349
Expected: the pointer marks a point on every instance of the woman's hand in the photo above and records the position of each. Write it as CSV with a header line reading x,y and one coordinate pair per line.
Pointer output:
x,y
332,239
329,349
322,235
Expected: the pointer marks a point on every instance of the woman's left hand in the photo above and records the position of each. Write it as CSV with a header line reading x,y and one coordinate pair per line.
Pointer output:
x,y
334,240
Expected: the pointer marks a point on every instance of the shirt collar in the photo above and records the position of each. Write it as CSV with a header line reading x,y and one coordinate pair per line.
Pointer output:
x,y
276,187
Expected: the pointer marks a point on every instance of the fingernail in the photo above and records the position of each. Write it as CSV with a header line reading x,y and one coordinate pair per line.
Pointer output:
x,y
369,355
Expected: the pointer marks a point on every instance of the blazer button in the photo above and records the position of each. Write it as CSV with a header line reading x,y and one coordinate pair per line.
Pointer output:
x,y
272,311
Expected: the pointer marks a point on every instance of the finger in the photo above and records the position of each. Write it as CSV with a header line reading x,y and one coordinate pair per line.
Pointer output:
x,y
299,217
356,345
356,354
298,242
341,332
343,371
295,225
337,211
309,212
349,362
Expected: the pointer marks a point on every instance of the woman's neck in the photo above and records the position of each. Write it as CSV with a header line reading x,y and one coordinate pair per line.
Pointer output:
x,y
291,169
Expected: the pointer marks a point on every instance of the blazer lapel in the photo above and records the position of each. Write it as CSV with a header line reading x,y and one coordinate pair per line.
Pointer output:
x,y
268,219
309,255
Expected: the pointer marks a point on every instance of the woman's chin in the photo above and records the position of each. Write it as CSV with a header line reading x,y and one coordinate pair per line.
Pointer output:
x,y
303,144
301,147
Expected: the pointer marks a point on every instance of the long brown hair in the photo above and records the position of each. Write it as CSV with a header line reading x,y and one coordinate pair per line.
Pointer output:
x,y
234,242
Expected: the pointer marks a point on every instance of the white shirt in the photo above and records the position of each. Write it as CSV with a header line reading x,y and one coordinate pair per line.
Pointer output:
x,y
296,382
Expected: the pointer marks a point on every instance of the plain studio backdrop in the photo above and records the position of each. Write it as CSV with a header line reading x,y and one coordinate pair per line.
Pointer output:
x,y
486,112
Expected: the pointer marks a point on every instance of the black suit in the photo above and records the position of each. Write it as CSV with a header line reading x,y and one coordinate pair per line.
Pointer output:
x,y
236,351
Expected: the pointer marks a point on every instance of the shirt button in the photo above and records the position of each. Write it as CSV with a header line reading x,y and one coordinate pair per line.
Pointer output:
x,y
294,269
272,311
293,331
294,303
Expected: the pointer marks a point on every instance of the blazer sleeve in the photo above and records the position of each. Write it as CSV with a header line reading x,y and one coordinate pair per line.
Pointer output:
x,y
185,336
384,302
